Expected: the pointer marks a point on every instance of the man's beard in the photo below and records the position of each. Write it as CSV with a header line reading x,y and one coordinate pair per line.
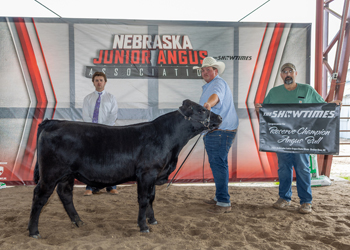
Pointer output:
x,y
288,80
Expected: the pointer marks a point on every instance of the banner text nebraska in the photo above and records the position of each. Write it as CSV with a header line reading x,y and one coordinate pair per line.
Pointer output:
x,y
125,72
149,42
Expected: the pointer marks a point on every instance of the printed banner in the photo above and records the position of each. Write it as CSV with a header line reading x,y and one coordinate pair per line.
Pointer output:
x,y
300,128
149,68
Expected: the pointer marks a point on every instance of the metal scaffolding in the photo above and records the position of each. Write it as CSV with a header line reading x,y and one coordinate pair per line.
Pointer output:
x,y
323,69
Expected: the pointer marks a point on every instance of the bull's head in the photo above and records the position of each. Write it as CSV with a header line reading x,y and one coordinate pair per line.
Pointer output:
x,y
198,114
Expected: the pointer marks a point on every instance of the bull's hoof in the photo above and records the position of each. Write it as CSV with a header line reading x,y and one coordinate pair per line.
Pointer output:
x,y
35,236
153,222
144,230
78,223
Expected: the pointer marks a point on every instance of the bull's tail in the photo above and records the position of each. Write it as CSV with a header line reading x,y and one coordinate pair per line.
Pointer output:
x,y
46,123
36,173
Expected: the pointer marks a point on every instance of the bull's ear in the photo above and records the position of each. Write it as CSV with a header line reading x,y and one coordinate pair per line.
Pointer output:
x,y
186,103
187,107
183,104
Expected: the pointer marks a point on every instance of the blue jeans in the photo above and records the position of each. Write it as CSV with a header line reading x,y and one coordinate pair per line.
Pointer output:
x,y
300,162
217,145
93,189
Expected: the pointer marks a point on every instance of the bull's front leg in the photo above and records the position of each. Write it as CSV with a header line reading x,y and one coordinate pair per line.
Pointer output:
x,y
149,211
145,186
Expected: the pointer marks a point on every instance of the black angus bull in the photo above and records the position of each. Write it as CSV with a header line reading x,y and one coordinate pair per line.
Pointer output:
x,y
101,156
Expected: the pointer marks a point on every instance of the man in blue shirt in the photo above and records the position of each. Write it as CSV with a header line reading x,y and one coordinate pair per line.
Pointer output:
x,y
217,97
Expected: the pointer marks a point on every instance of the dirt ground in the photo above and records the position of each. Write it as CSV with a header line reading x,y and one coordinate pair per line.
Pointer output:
x,y
183,222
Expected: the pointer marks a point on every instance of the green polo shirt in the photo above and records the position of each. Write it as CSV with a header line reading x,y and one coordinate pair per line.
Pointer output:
x,y
303,93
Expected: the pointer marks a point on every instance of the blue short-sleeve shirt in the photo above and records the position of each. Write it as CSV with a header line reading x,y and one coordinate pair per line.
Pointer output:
x,y
225,107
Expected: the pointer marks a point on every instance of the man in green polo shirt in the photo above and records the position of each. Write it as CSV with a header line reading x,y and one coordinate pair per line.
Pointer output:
x,y
292,92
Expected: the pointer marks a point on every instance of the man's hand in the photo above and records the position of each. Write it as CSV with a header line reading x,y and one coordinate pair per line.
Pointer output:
x,y
338,102
211,102
207,106
257,106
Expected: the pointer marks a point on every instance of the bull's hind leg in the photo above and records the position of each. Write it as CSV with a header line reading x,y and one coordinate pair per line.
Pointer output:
x,y
65,192
149,211
41,194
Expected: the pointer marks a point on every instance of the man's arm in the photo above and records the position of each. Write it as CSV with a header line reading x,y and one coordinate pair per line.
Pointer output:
x,y
212,101
257,106
86,115
113,114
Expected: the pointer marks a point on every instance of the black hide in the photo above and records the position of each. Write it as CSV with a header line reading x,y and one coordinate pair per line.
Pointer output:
x,y
101,156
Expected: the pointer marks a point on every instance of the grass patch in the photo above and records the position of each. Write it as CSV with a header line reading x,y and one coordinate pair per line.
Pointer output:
x,y
345,177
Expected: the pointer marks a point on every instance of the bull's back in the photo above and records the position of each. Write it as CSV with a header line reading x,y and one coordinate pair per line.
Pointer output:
x,y
84,146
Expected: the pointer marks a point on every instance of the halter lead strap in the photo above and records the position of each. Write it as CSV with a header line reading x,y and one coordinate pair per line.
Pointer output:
x,y
186,117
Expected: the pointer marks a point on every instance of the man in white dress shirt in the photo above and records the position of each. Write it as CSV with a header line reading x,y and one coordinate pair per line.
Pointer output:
x,y
106,114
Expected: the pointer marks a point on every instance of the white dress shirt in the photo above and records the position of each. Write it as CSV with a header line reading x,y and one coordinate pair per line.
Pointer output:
x,y
108,108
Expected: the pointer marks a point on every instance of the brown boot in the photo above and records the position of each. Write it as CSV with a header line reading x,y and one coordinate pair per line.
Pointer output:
x,y
210,202
113,191
281,204
219,210
305,208
88,193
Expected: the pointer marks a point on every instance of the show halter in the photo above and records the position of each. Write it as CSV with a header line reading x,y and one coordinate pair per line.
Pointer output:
x,y
205,123
202,122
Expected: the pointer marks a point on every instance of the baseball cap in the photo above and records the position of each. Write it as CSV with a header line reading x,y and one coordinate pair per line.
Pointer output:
x,y
288,65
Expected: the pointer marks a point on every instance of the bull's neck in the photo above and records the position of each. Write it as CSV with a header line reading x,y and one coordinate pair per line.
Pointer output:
x,y
178,128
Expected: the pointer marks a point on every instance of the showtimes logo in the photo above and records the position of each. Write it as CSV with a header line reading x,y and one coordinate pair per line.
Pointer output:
x,y
300,114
